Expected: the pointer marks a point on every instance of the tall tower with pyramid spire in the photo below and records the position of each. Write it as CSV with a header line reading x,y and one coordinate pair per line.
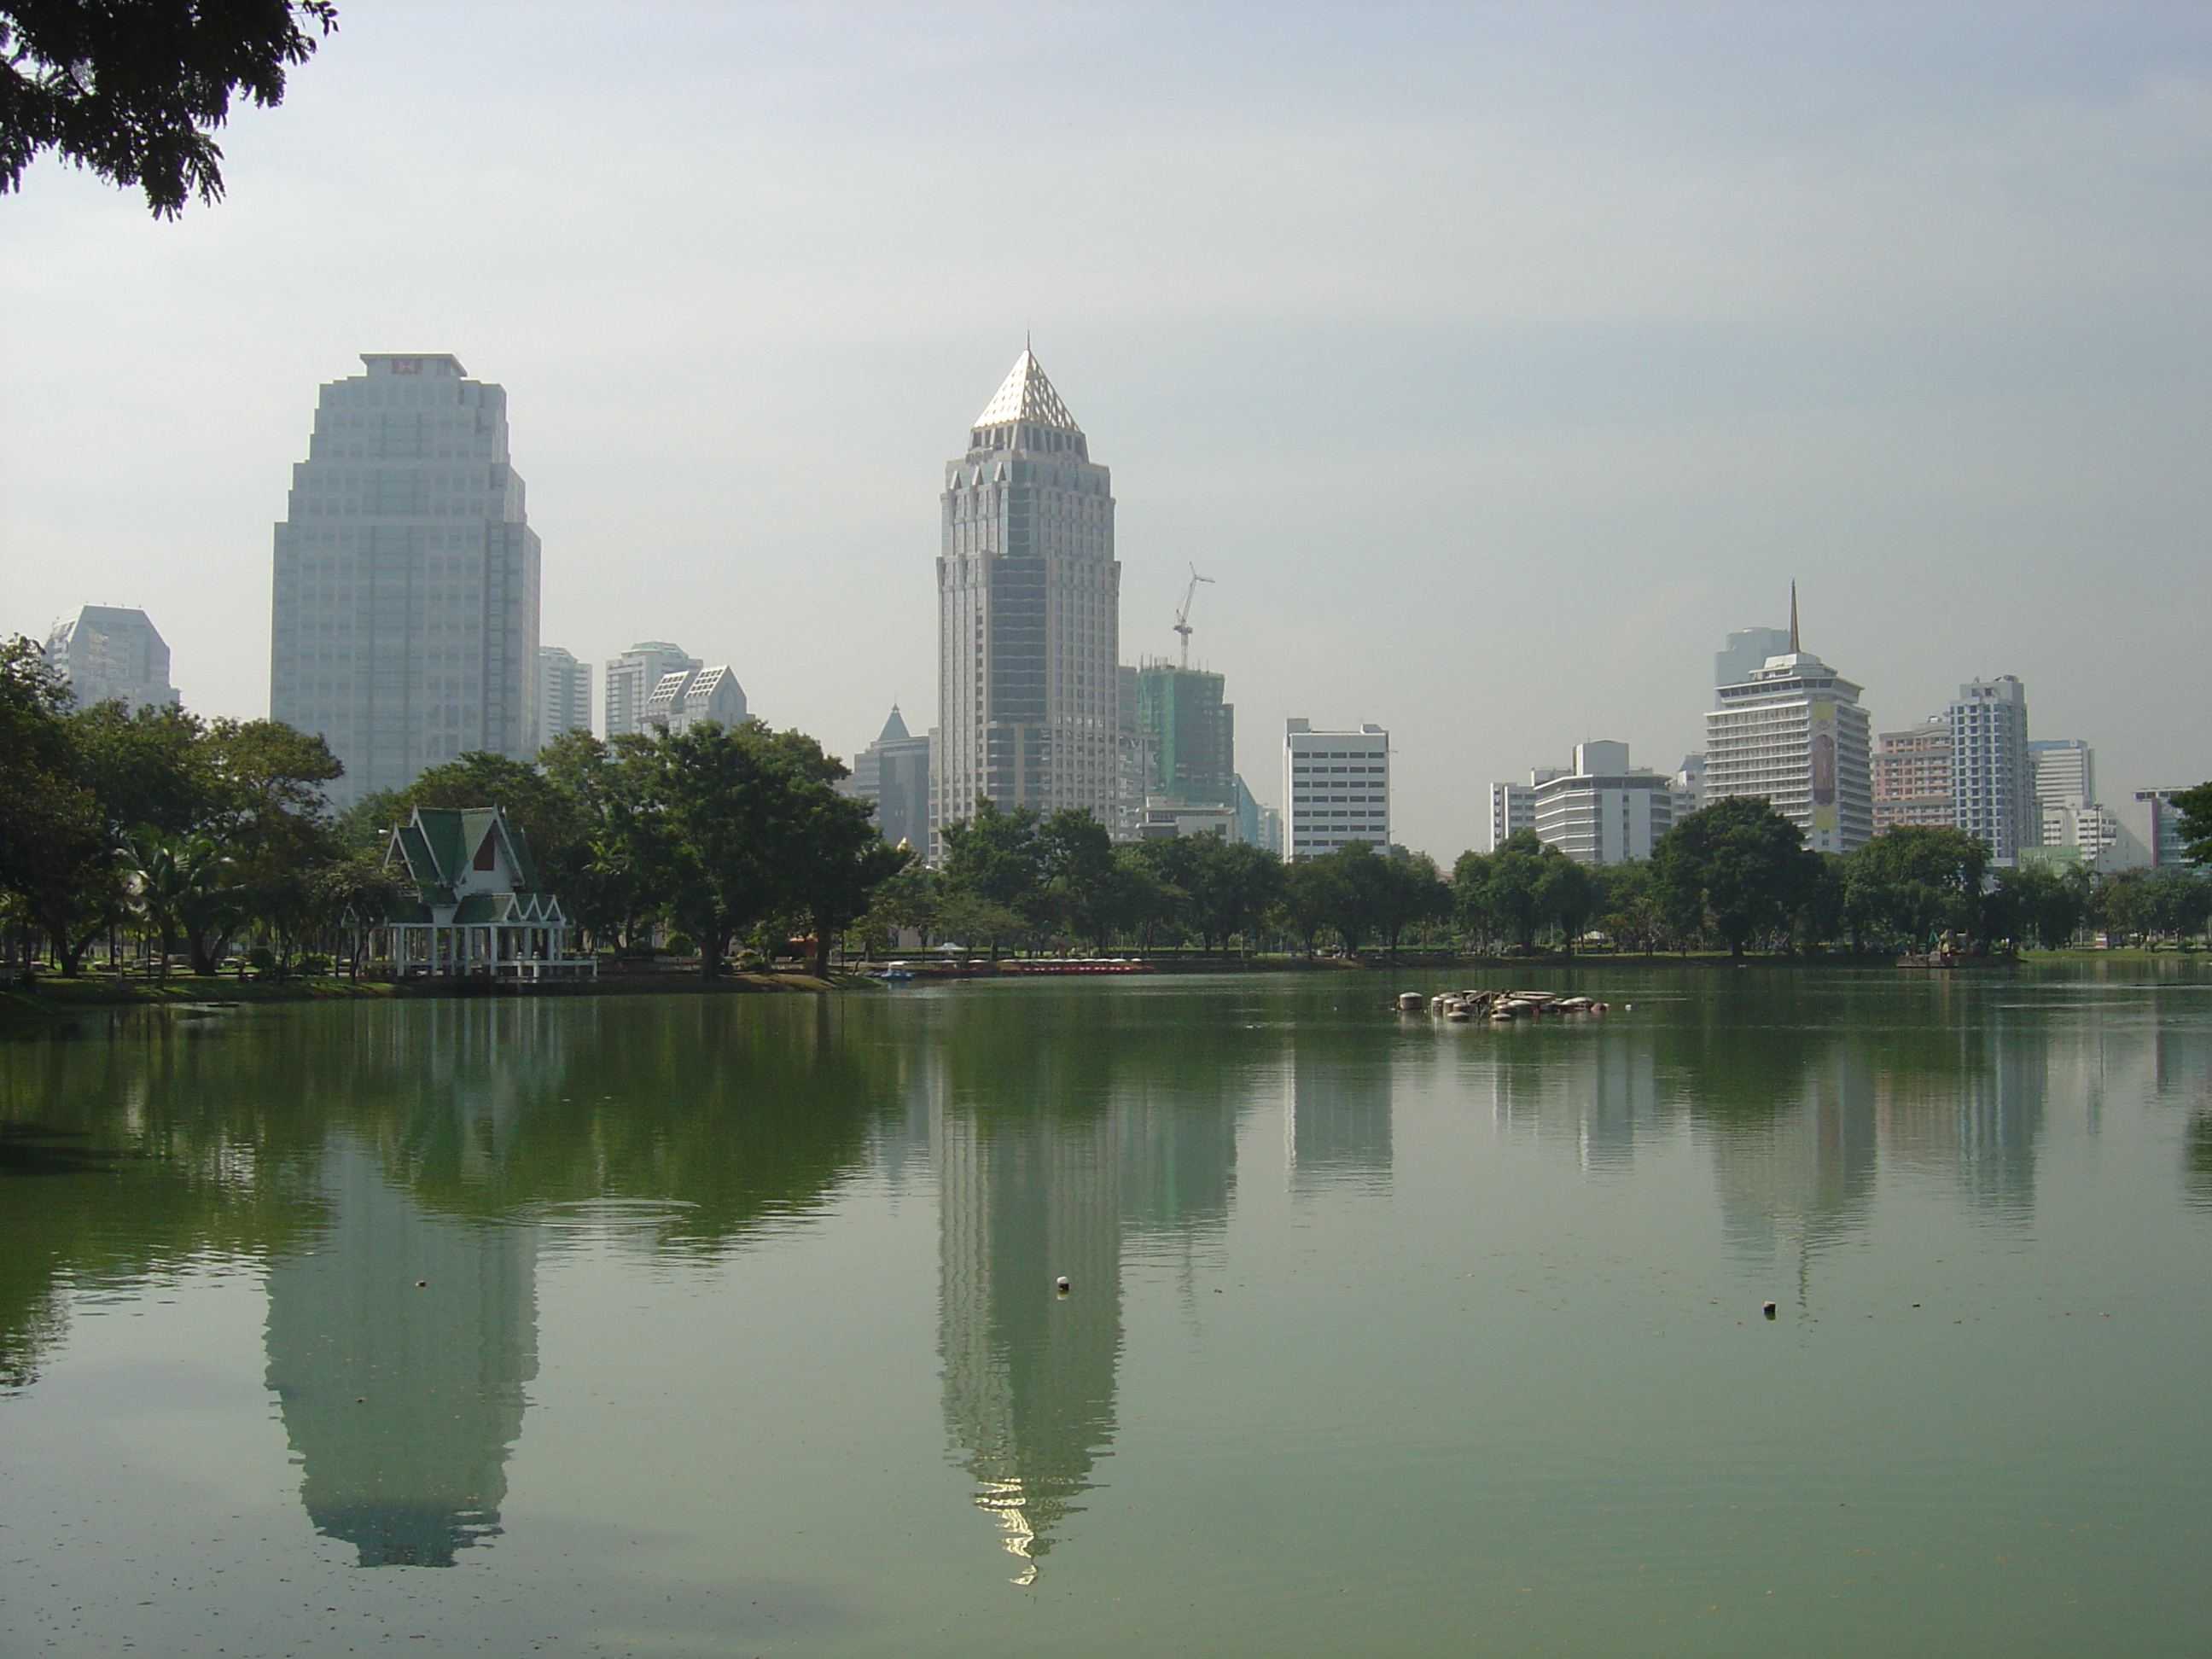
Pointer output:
x,y
1028,615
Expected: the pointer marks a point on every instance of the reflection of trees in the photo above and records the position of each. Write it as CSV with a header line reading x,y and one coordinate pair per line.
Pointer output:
x,y
166,1140
104,1182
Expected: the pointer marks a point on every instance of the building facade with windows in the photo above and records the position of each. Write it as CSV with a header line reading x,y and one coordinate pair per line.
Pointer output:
x,y
1792,733
405,616
1189,735
1512,809
108,654
1030,692
893,772
694,696
1993,780
1336,789
634,676
564,694
1601,810
1913,775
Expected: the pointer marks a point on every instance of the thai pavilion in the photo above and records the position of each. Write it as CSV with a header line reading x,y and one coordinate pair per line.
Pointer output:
x,y
477,909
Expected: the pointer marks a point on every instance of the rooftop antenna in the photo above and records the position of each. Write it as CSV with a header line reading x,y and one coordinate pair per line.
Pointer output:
x,y
1794,647
1182,616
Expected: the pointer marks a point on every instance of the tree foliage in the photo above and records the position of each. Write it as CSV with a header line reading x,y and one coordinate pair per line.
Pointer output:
x,y
1738,868
133,90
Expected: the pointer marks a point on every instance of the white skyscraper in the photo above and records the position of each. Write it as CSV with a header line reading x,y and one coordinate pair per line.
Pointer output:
x,y
1993,780
113,655
1029,616
405,616
634,676
1792,733
564,694
1336,788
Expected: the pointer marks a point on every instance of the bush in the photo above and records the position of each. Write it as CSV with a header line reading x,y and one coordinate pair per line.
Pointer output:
x,y
680,945
317,965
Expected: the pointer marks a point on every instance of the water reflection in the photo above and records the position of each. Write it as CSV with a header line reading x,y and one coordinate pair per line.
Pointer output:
x,y
1340,1111
1068,1134
398,1346
1090,1131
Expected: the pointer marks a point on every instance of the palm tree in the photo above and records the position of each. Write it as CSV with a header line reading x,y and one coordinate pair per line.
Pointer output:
x,y
177,884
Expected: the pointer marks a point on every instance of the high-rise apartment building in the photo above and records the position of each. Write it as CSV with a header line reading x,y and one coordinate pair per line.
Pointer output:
x,y
1029,616
634,676
406,615
564,694
1913,775
1992,783
1336,788
1189,735
893,772
1791,733
113,655
1603,811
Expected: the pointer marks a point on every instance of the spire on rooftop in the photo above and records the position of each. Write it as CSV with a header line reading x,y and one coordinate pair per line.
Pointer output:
x,y
894,728
1026,395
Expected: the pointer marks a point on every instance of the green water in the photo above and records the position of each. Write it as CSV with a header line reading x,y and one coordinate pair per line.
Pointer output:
x,y
737,1330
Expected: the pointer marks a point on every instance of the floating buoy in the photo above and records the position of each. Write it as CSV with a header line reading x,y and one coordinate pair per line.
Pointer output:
x,y
1061,1286
1767,1307
422,1283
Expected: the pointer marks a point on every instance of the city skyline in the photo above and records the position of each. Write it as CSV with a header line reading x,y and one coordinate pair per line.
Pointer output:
x,y
1634,341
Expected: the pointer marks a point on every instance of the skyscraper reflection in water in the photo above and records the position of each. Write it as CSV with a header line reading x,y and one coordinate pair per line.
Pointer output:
x,y
1027,1199
1095,1165
400,1345
1339,1122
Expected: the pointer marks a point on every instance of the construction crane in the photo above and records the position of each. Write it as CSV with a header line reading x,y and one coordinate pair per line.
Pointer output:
x,y
1182,616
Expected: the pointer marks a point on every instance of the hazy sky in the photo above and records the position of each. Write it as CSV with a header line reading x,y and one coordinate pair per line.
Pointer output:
x,y
1494,361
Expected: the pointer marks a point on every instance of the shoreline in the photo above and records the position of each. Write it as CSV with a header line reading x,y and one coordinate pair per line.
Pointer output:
x,y
49,996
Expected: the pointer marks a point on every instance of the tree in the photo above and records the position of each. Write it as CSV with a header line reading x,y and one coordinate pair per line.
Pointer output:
x,y
1510,892
1914,881
1075,872
1568,894
1410,892
133,89
840,862
177,884
1739,866
2034,903
1218,889
55,856
996,856
1629,910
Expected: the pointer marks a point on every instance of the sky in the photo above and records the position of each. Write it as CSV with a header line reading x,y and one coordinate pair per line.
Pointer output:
x,y
1494,361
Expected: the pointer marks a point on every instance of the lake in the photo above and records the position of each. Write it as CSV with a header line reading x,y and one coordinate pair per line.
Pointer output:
x,y
729,1325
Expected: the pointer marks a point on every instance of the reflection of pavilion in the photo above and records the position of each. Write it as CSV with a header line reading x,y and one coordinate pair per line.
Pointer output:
x,y
401,1398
